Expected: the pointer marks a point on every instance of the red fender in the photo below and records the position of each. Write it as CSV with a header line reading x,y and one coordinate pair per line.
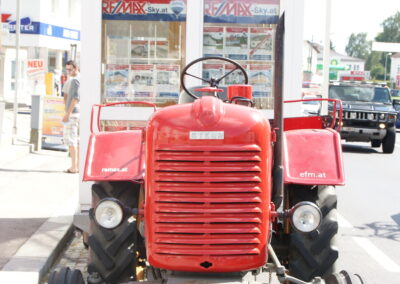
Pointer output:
x,y
313,157
115,156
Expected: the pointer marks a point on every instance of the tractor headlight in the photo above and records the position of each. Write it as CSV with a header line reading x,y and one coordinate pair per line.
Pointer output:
x,y
109,213
306,216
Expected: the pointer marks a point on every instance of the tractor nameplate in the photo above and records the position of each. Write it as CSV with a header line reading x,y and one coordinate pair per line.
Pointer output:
x,y
206,135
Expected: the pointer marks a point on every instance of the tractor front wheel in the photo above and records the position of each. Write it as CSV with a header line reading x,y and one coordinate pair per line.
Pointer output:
x,y
66,276
112,252
314,254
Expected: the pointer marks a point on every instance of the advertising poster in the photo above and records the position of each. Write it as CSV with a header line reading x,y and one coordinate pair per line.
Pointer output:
x,y
118,47
241,12
53,113
211,70
149,10
36,76
142,80
116,80
167,81
159,49
236,43
261,44
236,77
139,48
213,41
260,76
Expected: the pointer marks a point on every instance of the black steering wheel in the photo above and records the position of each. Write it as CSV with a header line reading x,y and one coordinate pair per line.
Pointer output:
x,y
214,82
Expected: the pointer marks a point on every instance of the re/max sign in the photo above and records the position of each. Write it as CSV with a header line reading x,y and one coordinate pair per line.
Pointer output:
x,y
216,8
124,7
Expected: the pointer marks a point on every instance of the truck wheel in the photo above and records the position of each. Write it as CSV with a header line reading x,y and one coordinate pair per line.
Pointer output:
x,y
314,254
389,141
376,143
66,276
112,252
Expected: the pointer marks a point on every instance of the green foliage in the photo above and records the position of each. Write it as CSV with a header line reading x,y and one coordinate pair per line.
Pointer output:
x,y
358,46
373,59
377,72
391,29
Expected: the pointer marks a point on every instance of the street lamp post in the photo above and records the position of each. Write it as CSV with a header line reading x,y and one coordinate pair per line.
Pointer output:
x,y
386,62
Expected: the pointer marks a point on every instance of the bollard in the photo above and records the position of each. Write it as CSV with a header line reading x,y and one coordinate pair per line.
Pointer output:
x,y
36,122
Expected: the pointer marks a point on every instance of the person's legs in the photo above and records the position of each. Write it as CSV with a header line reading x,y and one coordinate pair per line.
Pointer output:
x,y
73,152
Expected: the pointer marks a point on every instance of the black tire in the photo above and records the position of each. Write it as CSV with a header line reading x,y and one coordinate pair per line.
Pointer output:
x,y
314,254
66,276
376,143
344,277
389,141
111,253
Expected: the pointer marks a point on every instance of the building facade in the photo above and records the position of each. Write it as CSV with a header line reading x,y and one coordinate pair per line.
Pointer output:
x,y
395,70
49,35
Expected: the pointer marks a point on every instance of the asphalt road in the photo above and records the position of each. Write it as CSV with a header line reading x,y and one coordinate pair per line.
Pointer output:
x,y
369,207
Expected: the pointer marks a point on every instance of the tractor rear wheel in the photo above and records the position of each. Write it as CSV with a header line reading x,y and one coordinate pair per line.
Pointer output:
x,y
112,252
389,141
314,254
66,276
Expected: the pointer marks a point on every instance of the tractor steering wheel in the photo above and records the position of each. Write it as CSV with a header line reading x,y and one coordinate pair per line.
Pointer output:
x,y
212,81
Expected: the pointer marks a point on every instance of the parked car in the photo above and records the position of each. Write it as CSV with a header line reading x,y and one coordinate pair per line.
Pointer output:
x,y
309,107
396,105
368,114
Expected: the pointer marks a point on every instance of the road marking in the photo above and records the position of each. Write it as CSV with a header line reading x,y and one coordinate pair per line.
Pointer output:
x,y
377,254
370,248
397,145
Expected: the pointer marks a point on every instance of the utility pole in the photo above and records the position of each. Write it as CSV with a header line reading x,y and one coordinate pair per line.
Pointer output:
x,y
327,53
387,54
17,69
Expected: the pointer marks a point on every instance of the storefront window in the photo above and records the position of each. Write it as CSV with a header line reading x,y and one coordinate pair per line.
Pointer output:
x,y
143,48
243,31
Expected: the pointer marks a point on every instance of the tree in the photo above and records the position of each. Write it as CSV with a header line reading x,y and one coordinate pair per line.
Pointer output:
x,y
358,46
391,29
391,33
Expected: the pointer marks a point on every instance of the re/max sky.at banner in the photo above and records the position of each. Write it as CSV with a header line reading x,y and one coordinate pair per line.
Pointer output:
x,y
215,11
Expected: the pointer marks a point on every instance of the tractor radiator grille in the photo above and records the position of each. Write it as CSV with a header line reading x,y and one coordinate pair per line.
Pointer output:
x,y
208,202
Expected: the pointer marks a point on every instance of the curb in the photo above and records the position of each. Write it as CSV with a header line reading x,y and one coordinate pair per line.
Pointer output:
x,y
34,259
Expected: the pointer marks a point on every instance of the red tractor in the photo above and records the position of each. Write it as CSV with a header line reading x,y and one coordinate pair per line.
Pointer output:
x,y
211,191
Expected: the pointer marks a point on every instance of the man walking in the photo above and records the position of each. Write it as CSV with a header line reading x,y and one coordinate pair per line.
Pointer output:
x,y
71,117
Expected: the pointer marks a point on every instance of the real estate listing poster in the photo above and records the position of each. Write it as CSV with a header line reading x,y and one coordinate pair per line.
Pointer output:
x,y
159,49
139,48
167,81
116,80
261,44
260,76
213,41
142,81
236,43
212,70
236,77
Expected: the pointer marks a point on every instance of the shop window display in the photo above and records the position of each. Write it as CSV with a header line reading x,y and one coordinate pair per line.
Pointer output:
x,y
144,47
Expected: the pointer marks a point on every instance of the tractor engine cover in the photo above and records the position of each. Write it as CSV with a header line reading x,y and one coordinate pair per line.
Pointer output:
x,y
208,187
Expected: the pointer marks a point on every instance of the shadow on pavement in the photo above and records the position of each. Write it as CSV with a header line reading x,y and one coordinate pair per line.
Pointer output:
x,y
349,148
382,230
14,233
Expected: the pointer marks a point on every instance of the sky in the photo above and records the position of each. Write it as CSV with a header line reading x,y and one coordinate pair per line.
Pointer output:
x,y
348,16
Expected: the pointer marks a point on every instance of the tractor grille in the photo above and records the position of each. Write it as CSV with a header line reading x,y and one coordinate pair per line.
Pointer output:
x,y
208,202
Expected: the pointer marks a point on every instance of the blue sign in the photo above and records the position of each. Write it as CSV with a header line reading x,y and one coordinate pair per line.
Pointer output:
x,y
31,27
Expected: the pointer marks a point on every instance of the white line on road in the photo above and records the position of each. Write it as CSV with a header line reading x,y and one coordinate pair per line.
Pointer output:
x,y
377,254
370,248
397,145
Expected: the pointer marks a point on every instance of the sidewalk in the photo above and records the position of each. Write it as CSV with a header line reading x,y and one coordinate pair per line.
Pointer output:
x,y
37,201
